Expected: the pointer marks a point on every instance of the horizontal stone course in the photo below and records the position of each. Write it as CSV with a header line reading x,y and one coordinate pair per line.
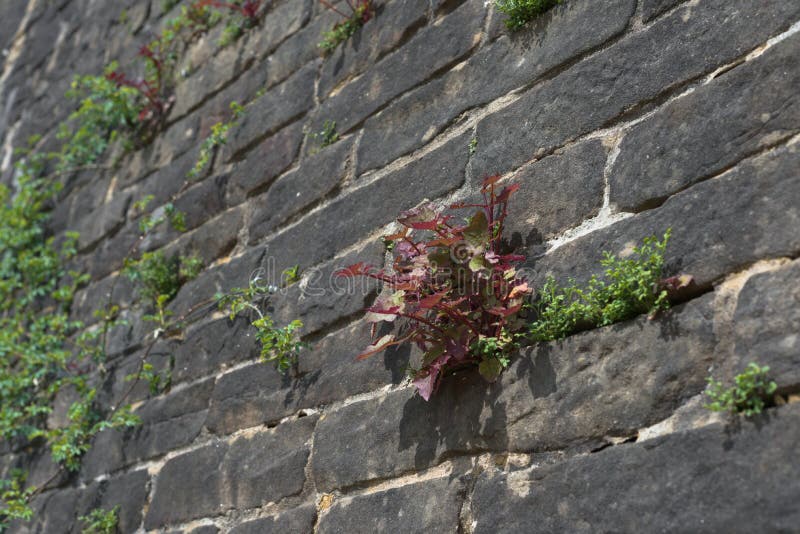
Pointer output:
x,y
300,519
508,63
713,479
252,470
675,49
719,226
426,506
741,112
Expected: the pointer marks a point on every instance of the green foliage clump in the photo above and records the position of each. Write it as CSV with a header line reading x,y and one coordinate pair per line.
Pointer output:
x,y
360,14
280,346
105,114
327,136
746,396
15,498
520,12
100,521
217,138
631,287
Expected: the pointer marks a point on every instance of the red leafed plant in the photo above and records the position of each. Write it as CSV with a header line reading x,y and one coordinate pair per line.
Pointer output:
x,y
248,9
152,88
457,294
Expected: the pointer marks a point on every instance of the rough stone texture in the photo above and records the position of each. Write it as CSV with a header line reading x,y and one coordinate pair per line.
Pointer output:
x,y
219,476
689,42
740,113
429,506
300,519
618,119
622,488
718,227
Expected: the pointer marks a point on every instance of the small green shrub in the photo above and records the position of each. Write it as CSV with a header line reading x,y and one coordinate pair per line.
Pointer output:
x,y
520,12
748,394
217,138
360,13
327,136
281,346
100,521
631,287
15,499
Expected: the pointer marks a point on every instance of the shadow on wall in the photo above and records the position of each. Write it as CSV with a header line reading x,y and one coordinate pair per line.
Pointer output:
x,y
467,399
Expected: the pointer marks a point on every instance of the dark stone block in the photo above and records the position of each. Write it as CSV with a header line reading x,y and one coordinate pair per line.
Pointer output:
x,y
713,479
632,72
318,177
766,324
300,520
428,51
353,216
511,62
718,226
740,113
264,163
428,506
237,475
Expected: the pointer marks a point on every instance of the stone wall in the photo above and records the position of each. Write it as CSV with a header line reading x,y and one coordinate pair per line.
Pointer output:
x,y
618,118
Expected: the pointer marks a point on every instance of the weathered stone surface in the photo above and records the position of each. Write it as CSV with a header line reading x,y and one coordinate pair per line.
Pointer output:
x,y
318,177
713,479
322,300
351,217
766,324
574,393
258,394
102,221
212,241
220,476
372,42
556,193
510,62
188,487
427,506
718,226
679,47
279,106
300,519
741,112
653,8
220,278
212,346
428,51
264,163
128,491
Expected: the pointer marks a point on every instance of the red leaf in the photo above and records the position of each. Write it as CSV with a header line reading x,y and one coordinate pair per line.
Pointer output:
x,y
490,181
507,192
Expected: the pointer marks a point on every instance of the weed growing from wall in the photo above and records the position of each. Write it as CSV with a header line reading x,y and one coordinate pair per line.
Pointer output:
x,y
217,138
325,137
100,521
631,287
456,289
749,394
360,12
520,12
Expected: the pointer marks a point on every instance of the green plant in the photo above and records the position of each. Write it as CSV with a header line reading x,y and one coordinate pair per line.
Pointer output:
x,y
217,138
749,394
631,287
167,5
473,146
15,499
106,113
361,11
327,136
520,12
280,346
291,275
42,352
459,293
100,521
